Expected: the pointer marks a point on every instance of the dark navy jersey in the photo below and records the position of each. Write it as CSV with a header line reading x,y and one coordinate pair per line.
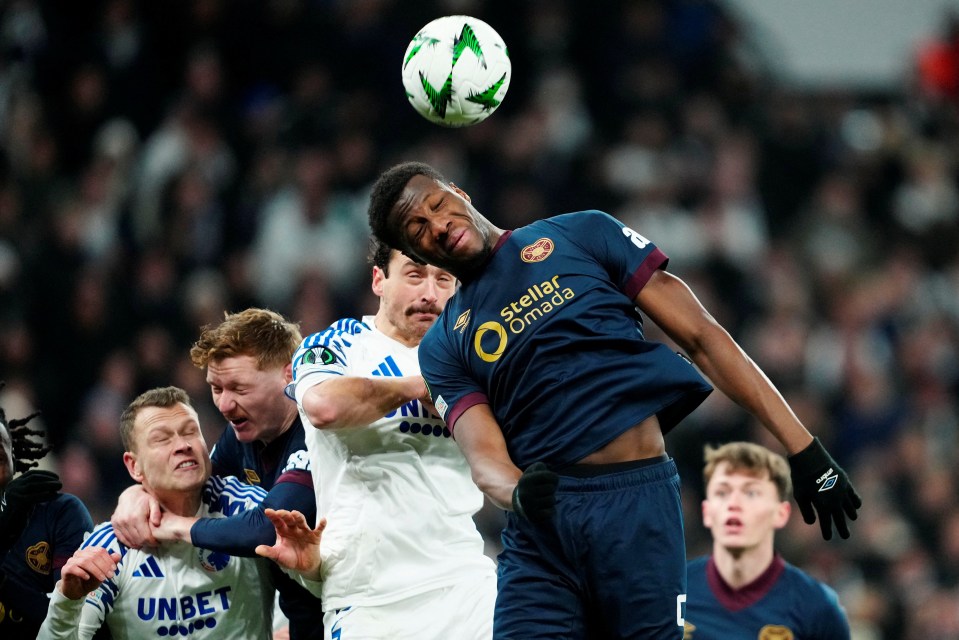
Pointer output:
x,y
32,565
282,460
782,603
549,336
282,467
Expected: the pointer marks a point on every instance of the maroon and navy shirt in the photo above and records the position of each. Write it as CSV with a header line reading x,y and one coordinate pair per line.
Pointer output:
x,y
31,567
549,336
783,602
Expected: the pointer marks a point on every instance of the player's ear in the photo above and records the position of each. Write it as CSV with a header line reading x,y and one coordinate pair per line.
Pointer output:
x,y
133,467
377,284
460,192
782,514
707,519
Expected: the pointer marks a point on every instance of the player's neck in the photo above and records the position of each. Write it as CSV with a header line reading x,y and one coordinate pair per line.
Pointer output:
x,y
180,503
382,323
741,567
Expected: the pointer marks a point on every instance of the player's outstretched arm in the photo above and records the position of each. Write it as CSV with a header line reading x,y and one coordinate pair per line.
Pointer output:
x,y
297,546
241,533
670,303
351,401
136,513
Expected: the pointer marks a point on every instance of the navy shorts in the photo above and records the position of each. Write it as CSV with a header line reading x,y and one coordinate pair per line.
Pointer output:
x,y
610,564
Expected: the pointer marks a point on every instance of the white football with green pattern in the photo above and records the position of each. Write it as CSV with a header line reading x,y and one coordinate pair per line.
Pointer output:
x,y
456,71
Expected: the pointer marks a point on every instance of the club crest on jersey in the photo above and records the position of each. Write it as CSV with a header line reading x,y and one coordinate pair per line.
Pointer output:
x,y
538,251
775,632
213,561
462,321
38,558
318,355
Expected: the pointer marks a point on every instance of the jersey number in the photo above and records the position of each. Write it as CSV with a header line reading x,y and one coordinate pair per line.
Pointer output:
x,y
635,238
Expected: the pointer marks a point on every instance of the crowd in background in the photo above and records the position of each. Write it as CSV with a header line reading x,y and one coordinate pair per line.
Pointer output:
x,y
164,162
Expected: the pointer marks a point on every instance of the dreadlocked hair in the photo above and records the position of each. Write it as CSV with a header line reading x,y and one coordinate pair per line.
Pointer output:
x,y
26,452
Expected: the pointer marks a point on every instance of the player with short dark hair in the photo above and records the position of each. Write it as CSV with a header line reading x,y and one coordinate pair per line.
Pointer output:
x,y
402,557
744,589
39,529
540,367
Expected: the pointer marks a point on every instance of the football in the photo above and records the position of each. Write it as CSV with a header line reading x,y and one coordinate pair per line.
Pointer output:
x,y
456,71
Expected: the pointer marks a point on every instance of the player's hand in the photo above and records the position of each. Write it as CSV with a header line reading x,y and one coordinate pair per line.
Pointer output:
x,y
137,512
173,528
21,494
297,546
822,488
86,570
534,497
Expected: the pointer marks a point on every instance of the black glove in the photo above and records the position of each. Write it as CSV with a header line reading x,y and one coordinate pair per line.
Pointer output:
x,y
18,499
820,486
534,497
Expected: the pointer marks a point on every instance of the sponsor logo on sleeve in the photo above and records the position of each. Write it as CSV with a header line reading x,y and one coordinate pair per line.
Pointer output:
x,y
441,406
318,355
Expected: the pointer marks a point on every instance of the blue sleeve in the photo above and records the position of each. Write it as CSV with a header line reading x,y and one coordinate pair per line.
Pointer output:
x,y
628,257
239,535
451,387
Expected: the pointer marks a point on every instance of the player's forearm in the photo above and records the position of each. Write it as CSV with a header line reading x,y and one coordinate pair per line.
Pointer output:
x,y
481,440
356,402
497,480
734,373
237,536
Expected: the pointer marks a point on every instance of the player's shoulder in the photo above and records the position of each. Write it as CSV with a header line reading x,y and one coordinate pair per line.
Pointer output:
x,y
325,347
813,589
578,220
696,568
221,491
103,535
69,507
338,330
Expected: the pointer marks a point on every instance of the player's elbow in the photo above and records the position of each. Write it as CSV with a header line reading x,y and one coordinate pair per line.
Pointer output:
x,y
321,411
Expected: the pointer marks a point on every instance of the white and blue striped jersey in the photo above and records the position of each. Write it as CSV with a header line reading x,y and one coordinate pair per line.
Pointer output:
x,y
397,494
175,589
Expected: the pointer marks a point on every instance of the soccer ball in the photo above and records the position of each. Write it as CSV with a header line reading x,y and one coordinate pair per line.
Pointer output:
x,y
456,71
